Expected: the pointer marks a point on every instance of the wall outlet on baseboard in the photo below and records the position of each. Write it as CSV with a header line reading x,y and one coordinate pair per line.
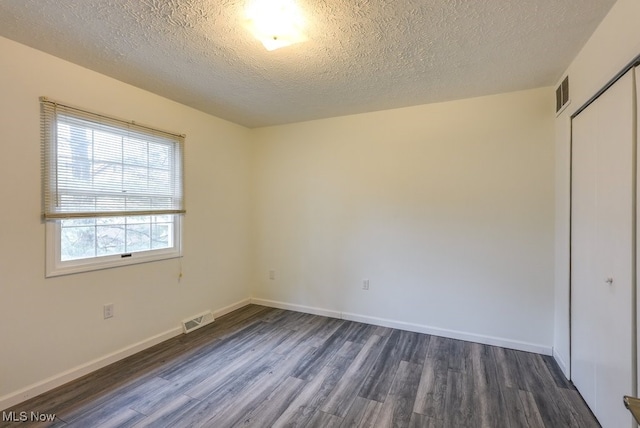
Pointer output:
x,y
107,310
365,284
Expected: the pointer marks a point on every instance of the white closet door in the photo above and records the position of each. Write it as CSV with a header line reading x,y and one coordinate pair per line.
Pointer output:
x,y
602,253
583,249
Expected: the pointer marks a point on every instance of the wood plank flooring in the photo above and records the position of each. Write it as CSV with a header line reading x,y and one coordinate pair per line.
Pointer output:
x,y
264,367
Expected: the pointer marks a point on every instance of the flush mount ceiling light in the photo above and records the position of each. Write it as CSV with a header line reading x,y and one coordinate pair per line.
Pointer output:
x,y
276,23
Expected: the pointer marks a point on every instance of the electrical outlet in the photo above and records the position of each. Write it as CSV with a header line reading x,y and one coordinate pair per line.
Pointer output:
x,y
272,275
365,284
108,310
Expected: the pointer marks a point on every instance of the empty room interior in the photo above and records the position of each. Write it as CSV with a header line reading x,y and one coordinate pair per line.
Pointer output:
x,y
300,213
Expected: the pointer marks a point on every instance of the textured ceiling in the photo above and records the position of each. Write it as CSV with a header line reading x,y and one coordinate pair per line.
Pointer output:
x,y
361,55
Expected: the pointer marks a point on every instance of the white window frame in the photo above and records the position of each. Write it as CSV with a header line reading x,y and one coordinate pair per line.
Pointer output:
x,y
55,266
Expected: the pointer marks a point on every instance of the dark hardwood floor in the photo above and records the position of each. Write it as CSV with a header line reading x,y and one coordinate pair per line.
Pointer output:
x,y
264,367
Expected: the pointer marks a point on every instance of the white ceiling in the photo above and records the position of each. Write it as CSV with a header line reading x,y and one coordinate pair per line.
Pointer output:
x,y
362,55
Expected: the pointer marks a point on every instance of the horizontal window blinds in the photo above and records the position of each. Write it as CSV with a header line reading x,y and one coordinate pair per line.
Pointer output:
x,y
98,166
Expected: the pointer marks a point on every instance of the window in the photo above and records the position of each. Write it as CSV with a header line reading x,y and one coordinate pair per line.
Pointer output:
x,y
112,190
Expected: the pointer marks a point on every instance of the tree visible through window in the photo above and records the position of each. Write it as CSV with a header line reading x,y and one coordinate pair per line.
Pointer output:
x,y
82,238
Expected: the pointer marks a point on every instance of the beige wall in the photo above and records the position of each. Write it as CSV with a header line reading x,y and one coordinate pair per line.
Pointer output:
x,y
446,208
49,326
615,42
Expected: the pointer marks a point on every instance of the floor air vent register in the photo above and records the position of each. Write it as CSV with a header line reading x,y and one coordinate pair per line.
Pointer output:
x,y
197,321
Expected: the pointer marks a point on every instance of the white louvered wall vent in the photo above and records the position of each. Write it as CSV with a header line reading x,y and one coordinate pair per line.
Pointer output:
x,y
197,321
562,96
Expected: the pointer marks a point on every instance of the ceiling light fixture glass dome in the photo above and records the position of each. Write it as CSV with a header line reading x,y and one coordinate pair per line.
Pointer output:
x,y
276,23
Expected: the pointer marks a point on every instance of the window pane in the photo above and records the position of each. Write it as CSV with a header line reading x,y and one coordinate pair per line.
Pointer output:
x,y
138,203
159,155
144,219
138,237
78,203
107,176
104,236
135,179
163,218
135,152
78,222
103,221
110,240
115,235
162,203
107,147
77,242
106,203
160,182
161,235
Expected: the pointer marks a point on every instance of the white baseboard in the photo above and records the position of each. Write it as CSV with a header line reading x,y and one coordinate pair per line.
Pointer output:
x,y
297,308
55,381
561,362
231,308
418,328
